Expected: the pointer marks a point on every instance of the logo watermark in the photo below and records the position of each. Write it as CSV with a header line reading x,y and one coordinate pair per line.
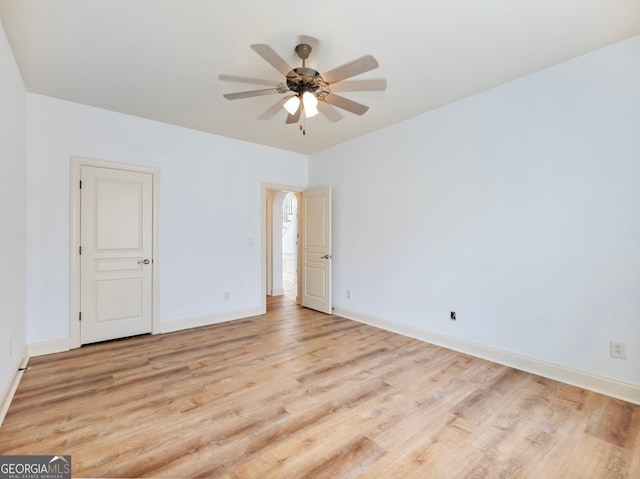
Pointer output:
x,y
35,467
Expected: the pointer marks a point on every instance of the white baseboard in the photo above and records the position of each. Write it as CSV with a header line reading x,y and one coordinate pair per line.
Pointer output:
x,y
195,322
12,385
48,347
610,387
277,292
59,345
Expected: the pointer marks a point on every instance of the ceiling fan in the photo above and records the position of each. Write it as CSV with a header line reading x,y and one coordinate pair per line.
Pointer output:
x,y
309,92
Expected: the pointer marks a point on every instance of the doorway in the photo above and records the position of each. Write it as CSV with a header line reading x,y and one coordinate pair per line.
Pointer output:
x,y
314,258
290,239
282,244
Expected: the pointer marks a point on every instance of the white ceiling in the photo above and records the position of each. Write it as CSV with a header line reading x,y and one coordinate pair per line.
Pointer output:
x,y
160,59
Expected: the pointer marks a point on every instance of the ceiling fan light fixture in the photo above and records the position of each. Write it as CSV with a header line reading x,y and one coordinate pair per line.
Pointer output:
x,y
310,112
310,102
292,105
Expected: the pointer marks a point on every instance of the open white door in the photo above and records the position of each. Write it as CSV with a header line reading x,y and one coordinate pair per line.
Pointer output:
x,y
316,249
116,253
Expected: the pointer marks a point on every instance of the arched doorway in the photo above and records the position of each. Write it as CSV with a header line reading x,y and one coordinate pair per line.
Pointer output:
x,y
282,243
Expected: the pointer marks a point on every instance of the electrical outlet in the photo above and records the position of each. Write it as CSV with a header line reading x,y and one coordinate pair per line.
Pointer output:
x,y
618,350
227,295
348,294
453,315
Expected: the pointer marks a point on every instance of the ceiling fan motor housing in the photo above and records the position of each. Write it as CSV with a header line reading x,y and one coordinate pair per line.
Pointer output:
x,y
300,80
303,79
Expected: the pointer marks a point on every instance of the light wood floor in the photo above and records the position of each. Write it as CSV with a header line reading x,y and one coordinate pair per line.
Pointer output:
x,y
298,394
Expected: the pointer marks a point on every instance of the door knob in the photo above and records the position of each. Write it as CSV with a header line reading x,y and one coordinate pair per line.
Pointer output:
x,y
144,261
326,256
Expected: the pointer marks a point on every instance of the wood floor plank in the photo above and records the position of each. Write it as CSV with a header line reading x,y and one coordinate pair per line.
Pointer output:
x,y
296,393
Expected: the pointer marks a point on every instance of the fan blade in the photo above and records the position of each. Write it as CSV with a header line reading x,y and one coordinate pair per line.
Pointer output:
x,y
295,118
360,85
249,94
272,110
252,81
351,69
272,58
346,104
329,111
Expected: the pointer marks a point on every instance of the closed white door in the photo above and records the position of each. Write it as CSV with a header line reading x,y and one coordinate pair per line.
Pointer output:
x,y
115,259
316,249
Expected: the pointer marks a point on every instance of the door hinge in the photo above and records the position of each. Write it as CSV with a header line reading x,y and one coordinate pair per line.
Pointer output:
x,y
79,316
79,249
80,184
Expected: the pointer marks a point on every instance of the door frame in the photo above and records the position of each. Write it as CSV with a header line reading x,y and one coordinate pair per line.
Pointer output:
x,y
76,164
264,229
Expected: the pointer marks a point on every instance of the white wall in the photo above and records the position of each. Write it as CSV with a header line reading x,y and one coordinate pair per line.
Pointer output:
x,y
12,213
210,206
518,208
